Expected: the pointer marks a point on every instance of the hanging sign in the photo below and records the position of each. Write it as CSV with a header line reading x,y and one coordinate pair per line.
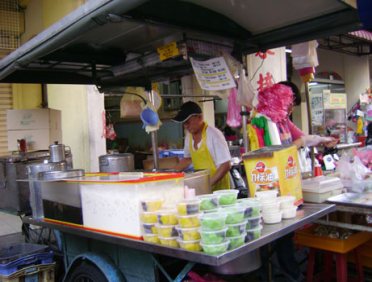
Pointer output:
x,y
316,102
168,51
335,101
213,74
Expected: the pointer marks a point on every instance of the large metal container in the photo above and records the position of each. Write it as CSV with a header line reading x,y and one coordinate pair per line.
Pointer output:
x,y
116,162
35,187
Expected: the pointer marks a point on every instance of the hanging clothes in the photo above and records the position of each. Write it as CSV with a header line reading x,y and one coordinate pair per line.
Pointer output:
x,y
261,122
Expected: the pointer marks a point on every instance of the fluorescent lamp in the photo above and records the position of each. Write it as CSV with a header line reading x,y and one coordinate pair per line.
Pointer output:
x,y
288,50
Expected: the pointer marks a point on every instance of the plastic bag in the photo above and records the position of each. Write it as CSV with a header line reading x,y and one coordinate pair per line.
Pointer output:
x,y
234,118
108,128
246,94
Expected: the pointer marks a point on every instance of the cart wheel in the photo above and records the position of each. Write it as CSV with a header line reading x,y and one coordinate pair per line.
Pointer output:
x,y
86,272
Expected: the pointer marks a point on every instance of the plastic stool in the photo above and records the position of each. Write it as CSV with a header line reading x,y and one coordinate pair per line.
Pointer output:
x,y
341,265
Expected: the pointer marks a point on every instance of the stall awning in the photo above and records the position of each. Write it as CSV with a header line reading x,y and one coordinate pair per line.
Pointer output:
x,y
362,34
113,42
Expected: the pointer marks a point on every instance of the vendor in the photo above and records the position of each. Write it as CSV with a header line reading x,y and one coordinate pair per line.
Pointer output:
x,y
205,146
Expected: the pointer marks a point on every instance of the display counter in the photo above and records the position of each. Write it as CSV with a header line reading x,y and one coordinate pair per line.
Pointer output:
x,y
307,214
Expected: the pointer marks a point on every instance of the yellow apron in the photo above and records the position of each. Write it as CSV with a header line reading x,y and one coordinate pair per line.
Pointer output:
x,y
202,159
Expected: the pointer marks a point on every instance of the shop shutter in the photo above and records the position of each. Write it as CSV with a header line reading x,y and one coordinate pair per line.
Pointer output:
x,y
6,103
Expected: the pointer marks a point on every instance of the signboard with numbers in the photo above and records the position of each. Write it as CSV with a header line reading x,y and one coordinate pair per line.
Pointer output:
x,y
213,74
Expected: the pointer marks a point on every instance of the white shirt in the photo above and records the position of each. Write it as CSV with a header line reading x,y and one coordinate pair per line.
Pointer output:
x,y
216,144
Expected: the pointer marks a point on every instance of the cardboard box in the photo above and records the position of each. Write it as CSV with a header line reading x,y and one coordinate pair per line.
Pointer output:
x,y
274,167
36,139
33,119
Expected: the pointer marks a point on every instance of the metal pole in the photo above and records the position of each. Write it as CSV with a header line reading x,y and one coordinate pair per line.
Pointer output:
x,y
154,139
244,124
309,122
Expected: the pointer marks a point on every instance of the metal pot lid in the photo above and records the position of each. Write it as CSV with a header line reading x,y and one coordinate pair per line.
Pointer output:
x,y
116,156
60,174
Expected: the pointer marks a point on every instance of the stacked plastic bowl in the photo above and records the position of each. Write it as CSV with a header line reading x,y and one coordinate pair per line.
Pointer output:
x,y
275,208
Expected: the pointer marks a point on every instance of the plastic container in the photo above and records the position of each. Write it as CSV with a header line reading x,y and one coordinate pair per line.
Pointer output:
x,y
271,207
169,242
237,229
212,221
287,201
151,205
252,207
215,249
188,207
208,202
234,214
193,246
149,217
272,217
167,217
149,228
226,197
266,194
236,242
15,257
189,221
254,233
213,237
290,212
151,238
188,234
167,231
253,222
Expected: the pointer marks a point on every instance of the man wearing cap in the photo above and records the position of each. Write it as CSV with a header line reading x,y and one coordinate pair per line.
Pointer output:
x,y
205,146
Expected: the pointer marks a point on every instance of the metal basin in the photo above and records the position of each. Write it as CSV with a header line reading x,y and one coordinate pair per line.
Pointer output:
x,y
243,264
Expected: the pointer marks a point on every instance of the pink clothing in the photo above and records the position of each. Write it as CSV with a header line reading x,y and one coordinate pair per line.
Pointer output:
x,y
288,131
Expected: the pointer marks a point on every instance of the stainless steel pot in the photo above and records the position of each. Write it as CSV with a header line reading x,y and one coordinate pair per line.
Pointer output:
x,y
116,162
58,152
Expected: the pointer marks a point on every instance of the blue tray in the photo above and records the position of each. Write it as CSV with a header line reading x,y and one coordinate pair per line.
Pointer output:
x,y
22,255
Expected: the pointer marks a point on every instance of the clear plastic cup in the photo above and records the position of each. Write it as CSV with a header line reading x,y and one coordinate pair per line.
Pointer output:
x,y
254,233
151,205
266,194
188,207
234,214
226,197
212,221
215,249
149,228
151,238
169,242
167,217
149,217
188,234
208,202
252,206
236,229
214,236
189,221
166,231
237,241
193,246
253,222
272,217
287,201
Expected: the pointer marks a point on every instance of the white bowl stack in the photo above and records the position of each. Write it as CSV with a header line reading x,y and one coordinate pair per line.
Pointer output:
x,y
287,206
271,212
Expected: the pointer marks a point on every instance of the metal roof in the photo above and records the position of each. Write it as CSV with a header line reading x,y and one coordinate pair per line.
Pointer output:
x,y
113,43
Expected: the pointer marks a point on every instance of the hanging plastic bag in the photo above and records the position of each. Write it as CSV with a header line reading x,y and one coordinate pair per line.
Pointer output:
x,y
246,93
132,102
234,118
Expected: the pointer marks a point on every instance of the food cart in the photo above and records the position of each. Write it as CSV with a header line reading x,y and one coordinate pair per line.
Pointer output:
x,y
114,44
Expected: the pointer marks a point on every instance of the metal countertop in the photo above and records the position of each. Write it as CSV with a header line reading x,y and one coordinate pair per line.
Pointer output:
x,y
270,232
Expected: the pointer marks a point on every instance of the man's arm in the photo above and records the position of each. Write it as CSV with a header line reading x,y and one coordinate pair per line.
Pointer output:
x,y
220,172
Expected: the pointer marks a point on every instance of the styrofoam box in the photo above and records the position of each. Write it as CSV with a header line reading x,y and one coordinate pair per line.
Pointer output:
x,y
36,139
115,207
33,119
314,197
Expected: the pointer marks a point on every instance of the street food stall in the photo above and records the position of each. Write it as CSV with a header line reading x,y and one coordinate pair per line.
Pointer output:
x,y
114,44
